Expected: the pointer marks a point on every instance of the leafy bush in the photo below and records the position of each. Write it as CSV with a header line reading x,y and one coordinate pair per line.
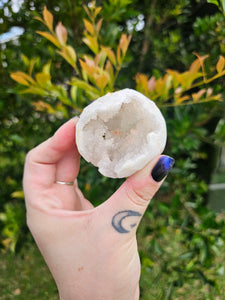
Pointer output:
x,y
191,100
12,218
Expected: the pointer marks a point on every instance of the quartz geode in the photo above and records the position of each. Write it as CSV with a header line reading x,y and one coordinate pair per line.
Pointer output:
x,y
120,133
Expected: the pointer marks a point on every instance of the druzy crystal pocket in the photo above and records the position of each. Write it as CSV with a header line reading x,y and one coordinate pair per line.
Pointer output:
x,y
120,133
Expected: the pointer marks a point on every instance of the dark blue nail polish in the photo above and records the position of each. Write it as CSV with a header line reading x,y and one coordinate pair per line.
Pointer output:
x,y
162,167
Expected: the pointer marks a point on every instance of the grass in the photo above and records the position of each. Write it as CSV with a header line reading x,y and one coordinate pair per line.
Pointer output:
x,y
26,276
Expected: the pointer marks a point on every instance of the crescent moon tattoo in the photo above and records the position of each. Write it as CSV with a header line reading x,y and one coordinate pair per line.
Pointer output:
x,y
118,218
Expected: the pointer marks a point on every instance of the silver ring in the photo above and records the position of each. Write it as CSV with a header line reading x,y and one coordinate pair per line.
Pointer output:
x,y
65,183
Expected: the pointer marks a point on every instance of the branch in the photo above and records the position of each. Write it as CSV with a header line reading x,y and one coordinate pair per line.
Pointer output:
x,y
146,40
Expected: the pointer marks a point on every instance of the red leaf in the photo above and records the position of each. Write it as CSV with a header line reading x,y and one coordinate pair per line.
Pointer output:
x,y
61,33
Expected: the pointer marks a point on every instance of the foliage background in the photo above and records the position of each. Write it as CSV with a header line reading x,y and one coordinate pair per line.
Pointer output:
x,y
181,241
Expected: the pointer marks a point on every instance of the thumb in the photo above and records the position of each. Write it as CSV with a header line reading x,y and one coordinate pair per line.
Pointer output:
x,y
134,195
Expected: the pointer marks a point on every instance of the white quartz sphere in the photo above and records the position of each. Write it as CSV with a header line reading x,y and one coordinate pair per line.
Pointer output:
x,y
120,133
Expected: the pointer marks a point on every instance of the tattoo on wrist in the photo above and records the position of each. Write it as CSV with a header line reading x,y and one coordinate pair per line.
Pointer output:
x,y
125,220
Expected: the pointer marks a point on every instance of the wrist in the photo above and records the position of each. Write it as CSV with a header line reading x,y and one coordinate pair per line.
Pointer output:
x,y
100,294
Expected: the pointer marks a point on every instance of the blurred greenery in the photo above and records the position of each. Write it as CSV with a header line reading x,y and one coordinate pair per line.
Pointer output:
x,y
181,241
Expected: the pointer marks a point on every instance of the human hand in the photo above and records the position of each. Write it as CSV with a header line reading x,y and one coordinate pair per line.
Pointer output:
x,y
91,252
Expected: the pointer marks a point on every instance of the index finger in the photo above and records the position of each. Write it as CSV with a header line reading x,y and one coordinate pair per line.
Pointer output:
x,y
41,162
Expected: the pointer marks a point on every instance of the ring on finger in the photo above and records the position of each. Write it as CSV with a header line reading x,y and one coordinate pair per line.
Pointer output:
x,y
65,183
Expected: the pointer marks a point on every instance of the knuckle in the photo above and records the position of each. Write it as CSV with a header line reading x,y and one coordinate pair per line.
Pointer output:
x,y
29,156
141,192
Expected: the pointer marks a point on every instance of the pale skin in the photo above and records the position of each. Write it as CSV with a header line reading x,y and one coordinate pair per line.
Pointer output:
x,y
91,252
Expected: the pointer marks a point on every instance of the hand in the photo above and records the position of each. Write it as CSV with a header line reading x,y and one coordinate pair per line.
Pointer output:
x,y
91,252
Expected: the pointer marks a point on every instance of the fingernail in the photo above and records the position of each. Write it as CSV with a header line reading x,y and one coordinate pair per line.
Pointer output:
x,y
162,167
75,119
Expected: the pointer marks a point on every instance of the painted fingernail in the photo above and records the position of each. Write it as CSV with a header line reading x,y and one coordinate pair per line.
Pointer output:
x,y
162,167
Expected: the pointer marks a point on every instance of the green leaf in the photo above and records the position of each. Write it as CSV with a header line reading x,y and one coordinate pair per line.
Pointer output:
x,y
91,42
89,27
220,64
35,90
110,54
220,4
46,68
33,61
213,2
16,138
43,78
147,262
190,265
25,59
221,270
223,5
60,92
72,54
73,93
69,54
186,255
17,194
86,87
87,11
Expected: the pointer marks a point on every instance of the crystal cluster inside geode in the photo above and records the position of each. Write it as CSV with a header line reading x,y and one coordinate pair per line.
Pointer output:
x,y
120,133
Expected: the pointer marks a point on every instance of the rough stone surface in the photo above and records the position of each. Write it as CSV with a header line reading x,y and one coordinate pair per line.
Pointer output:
x,y
120,133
